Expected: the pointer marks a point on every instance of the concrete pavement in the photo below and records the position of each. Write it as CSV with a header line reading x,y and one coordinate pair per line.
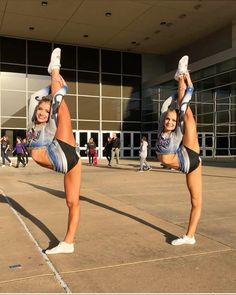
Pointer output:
x,y
123,243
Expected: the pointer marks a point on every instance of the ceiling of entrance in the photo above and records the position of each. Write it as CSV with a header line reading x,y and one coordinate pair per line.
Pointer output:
x,y
144,26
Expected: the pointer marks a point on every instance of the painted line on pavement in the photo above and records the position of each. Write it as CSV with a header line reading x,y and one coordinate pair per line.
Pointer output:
x,y
145,261
45,257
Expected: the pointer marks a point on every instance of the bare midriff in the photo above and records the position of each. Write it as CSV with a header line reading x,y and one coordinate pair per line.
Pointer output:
x,y
40,157
170,160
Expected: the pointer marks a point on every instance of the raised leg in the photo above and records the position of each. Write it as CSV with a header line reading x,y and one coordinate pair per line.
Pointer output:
x,y
194,178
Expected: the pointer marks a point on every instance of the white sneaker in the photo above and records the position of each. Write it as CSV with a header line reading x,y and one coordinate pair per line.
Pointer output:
x,y
3,165
10,164
62,247
184,240
55,60
182,67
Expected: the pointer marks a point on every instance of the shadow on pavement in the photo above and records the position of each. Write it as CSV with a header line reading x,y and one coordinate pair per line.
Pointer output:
x,y
53,241
60,194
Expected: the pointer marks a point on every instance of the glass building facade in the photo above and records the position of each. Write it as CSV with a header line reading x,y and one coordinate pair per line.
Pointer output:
x,y
104,92
105,95
213,105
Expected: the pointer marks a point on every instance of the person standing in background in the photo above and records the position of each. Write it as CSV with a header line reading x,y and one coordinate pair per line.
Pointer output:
x,y
5,147
115,151
107,150
143,154
19,150
91,150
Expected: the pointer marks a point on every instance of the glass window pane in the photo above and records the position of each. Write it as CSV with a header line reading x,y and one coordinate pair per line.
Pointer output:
x,y
74,124
8,50
136,138
70,78
88,125
131,63
13,81
88,108
131,110
223,117
127,153
83,139
13,123
127,139
111,109
131,126
71,103
136,153
111,126
88,59
111,61
13,103
13,68
37,82
89,83
111,85
131,87
39,53
68,56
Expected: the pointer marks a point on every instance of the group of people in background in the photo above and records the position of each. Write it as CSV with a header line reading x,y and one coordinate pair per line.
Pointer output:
x,y
111,150
19,150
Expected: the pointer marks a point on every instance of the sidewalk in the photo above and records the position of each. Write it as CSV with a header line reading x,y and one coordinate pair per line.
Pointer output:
x,y
123,243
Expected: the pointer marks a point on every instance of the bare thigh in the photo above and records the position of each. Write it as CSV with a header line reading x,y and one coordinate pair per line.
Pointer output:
x,y
64,129
190,138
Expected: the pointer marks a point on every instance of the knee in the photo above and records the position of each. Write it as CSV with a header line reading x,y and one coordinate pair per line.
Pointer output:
x,y
71,204
196,203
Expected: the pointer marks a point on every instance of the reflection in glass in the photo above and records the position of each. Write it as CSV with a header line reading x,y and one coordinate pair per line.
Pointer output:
x,y
83,139
131,110
13,103
111,125
88,125
88,108
70,78
127,139
8,50
13,122
38,53
37,82
69,56
131,126
111,109
111,85
88,59
13,81
111,61
131,87
71,103
131,63
88,83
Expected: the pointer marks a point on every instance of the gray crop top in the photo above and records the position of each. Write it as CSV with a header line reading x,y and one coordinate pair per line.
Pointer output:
x,y
169,143
41,135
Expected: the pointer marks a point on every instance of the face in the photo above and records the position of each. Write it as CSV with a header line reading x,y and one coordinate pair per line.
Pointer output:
x,y
42,113
170,121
